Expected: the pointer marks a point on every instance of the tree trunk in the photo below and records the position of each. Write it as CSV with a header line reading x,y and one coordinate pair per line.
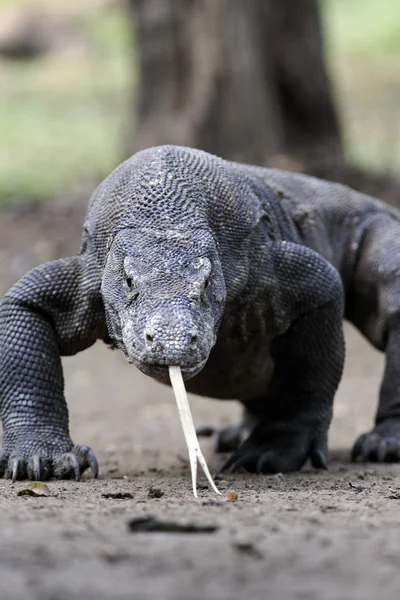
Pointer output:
x,y
242,79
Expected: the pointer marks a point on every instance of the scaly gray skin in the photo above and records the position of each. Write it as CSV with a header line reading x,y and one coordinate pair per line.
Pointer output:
x,y
236,274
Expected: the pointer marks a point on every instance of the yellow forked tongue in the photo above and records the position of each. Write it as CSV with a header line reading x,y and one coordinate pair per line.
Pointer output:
x,y
188,429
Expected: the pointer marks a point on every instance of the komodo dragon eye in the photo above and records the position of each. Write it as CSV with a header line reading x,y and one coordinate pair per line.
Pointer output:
x,y
131,285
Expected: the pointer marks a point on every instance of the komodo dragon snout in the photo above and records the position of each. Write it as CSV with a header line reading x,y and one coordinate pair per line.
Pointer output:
x,y
164,295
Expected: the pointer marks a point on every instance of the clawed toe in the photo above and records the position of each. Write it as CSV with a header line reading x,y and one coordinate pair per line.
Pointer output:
x,y
15,468
18,469
86,459
67,466
94,465
72,464
36,467
39,468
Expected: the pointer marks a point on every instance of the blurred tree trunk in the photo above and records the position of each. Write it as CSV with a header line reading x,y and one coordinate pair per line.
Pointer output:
x,y
244,79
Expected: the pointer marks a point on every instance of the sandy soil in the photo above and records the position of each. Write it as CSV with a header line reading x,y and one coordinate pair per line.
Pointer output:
x,y
305,536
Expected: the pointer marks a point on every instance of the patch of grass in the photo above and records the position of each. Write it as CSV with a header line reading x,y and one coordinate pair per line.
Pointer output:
x,y
363,49
62,116
365,28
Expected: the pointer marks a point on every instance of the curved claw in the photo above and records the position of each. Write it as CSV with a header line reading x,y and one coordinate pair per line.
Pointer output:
x,y
15,465
235,462
36,467
319,452
318,460
75,464
94,465
88,457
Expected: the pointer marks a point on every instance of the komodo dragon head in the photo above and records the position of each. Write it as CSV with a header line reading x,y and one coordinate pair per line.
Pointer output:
x,y
164,293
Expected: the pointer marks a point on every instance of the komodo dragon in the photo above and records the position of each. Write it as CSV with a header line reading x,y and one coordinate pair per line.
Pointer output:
x,y
241,276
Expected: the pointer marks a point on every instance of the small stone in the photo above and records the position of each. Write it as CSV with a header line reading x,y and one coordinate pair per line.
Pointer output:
x,y
357,486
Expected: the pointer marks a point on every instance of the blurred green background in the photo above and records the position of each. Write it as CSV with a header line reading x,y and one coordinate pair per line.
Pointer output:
x,y
62,114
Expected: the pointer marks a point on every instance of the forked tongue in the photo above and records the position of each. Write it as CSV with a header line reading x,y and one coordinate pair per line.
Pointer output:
x,y
188,429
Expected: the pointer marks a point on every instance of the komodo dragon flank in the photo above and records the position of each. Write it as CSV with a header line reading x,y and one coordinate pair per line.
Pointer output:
x,y
239,275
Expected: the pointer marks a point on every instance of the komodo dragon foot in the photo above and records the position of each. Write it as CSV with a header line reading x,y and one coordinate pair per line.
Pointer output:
x,y
42,461
381,444
277,449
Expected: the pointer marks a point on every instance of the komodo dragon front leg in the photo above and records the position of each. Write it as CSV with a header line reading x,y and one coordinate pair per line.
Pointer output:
x,y
56,309
292,416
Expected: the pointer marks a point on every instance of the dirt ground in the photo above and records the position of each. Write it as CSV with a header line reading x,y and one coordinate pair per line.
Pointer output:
x,y
306,536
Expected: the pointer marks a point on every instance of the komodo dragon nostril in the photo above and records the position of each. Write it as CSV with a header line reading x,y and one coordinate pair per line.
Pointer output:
x,y
149,337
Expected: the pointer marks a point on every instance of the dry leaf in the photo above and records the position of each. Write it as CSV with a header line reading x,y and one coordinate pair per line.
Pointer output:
x,y
231,496
36,488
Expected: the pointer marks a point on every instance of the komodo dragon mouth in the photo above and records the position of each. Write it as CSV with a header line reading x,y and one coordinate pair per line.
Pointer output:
x,y
195,453
160,372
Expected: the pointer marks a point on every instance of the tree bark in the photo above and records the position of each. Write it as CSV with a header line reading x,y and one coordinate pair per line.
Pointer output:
x,y
242,79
